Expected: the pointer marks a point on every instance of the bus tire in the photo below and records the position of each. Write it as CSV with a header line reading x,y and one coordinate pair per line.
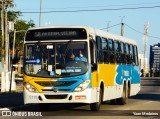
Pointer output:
x,y
96,106
124,98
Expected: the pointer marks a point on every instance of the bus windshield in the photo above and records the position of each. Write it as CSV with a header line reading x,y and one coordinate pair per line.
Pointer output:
x,y
56,59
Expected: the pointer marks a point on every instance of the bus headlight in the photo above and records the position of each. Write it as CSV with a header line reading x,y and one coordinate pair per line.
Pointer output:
x,y
82,86
30,88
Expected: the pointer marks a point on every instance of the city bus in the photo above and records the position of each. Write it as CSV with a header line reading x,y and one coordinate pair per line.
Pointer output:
x,y
110,71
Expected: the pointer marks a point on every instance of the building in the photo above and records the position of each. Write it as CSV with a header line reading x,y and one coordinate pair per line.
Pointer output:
x,y
154,60
142,62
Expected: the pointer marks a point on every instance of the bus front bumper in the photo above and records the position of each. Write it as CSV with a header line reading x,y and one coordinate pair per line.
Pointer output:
x,y
86,96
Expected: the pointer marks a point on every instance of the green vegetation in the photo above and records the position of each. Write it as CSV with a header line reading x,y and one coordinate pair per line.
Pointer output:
x,y
18,25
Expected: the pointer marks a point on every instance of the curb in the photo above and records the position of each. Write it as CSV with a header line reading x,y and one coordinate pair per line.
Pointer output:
x,y
4,109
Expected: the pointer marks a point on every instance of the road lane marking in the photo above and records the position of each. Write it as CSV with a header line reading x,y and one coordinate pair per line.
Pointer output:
x,y
148,102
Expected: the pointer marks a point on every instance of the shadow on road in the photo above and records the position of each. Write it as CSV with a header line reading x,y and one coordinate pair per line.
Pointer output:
x,y
11,100
146,96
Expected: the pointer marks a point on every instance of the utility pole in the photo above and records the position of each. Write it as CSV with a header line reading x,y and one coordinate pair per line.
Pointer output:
x,y
144,46
6,40
108,26
7,67
3,50
40,14
122,25
5,46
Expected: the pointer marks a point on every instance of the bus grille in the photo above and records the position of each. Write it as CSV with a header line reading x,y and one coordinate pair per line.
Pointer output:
x,y
55,83
56,96
58,90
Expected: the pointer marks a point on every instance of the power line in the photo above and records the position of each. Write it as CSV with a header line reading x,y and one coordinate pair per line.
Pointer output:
x,y
131,29
141,32
111,26
96,10
71,7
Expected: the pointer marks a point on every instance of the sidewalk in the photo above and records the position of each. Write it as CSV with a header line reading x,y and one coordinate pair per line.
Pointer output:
x,y
11,100
19,85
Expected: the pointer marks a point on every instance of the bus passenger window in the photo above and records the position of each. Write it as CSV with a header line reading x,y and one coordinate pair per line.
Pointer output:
x,y
111,51
127,54
123,57
93,51
99,49
105,50
131,53
117,51
135,55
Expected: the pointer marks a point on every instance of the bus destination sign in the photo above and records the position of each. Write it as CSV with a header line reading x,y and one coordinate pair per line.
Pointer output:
x,y
56,34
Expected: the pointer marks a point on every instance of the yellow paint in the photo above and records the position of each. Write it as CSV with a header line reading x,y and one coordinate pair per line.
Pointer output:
x,y
105,72
32,80
94,79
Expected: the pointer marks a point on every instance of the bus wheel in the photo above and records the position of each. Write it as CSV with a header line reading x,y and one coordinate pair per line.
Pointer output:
x,y
96,106
124,98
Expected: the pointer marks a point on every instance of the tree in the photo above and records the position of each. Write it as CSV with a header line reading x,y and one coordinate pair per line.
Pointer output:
x,y
13,15
20,25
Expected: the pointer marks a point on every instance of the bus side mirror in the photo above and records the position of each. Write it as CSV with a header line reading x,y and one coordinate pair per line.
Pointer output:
x,y
94,67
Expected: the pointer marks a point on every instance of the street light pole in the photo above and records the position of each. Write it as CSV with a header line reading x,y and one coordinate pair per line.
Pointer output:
x,y
14,39
12,77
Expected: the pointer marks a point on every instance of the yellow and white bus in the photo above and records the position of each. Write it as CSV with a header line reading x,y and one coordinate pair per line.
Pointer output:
x,y
56,71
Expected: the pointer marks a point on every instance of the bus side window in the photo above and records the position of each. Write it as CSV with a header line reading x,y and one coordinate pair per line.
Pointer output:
x,y
117,51
99,49
93,52
127,54
137,63
123,57
135,55
111,51
105,50
131,54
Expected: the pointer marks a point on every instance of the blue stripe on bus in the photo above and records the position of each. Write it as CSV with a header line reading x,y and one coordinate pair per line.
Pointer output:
x,y
78,80
127,72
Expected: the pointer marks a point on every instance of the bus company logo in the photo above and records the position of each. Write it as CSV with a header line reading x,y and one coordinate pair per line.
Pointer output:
x,y
38,61
55,90
6,113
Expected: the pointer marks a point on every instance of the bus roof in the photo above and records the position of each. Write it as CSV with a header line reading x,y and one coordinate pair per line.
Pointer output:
x,y
113,36
95,32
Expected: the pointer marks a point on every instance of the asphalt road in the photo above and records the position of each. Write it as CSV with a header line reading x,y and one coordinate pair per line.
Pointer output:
x,y
145,104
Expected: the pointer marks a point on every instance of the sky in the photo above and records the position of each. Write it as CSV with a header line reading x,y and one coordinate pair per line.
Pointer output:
x,y
100,13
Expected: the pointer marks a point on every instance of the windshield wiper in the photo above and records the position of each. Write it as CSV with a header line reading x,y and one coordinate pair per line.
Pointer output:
x,y
67,48
41,47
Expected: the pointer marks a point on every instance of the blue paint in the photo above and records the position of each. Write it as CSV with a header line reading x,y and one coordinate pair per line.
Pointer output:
x,y
33,61
77,79
126,72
